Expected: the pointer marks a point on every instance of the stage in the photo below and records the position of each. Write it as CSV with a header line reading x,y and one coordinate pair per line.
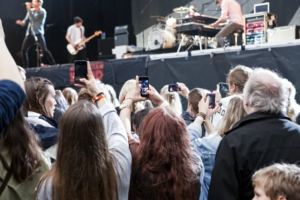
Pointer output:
x,y
202,69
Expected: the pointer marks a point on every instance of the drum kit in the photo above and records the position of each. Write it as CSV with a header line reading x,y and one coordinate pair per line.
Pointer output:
x,y
163,35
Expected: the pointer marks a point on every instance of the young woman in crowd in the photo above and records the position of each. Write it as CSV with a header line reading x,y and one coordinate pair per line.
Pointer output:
x,y
93,159
173,99
71,95
236,80
22,162
61,106
39,107
207,146
163,166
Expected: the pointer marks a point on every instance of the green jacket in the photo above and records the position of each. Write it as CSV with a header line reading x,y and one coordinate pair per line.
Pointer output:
x,y
21,191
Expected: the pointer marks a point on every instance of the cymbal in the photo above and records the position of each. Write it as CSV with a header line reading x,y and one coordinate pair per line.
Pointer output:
x,y
159,19
181,10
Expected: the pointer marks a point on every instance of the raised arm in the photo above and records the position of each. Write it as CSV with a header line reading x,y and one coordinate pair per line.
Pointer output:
x,y
12,92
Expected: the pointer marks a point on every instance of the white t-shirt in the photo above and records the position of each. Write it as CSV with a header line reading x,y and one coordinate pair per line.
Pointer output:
x,y
232,10
217,118
76,34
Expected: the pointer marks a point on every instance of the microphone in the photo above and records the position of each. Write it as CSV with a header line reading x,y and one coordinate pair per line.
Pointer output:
x,y
195,10
49,25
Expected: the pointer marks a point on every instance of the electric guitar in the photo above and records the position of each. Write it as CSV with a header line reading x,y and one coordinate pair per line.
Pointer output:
x,y
80,45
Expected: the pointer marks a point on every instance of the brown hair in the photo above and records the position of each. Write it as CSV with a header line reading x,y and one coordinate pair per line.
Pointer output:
x,y
235,112
85,95
84,168
195,97
160,169
279,180
37,88
24,149
238,76
70,95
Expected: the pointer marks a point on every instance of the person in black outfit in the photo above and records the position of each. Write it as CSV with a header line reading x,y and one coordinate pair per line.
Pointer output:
x,y
35,18
264,137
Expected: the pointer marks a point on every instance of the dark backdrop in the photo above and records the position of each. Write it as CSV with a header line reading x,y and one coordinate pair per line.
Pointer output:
x,y
97,15
285,9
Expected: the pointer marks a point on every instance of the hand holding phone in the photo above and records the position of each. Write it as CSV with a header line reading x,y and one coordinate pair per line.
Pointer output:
x,y
212,100
80,70
174,88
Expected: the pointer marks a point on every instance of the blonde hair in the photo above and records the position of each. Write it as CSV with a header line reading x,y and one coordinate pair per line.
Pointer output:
x,y
71,95
130,85
293,109
279,180
235,112
173,99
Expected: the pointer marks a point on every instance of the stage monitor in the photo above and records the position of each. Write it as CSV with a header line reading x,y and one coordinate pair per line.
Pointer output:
x,y
262,7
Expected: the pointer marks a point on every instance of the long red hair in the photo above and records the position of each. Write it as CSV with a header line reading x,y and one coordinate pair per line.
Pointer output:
x,y
162,166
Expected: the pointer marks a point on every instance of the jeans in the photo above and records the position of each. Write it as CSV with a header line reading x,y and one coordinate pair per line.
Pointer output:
x,y
28,42
227,31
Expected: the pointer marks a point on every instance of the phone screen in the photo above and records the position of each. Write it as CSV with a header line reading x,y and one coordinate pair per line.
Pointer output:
x,y
80,70
224,87
212,100
173,88
144,85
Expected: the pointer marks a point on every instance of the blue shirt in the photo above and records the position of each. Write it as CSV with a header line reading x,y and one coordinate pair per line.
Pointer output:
x,y
37,20
206,148
12,97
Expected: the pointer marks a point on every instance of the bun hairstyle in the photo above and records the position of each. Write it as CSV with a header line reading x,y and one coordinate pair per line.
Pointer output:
x,y
195,97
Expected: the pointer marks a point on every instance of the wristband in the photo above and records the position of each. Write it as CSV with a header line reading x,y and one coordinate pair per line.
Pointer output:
x,y
202,113
201,119
98,97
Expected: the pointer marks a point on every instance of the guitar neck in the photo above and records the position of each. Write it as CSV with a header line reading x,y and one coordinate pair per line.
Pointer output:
x,y
86,40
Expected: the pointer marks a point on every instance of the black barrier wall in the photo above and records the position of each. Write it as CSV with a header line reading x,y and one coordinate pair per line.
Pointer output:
x,y
206,72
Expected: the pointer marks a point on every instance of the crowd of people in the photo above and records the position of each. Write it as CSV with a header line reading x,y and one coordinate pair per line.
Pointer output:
x,y
64,145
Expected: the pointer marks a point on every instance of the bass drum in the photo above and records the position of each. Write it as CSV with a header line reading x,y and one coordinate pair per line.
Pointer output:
x,y
161,39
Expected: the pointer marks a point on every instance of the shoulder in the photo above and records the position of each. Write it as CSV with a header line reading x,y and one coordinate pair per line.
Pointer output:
x,y
45,190
71,27
42,10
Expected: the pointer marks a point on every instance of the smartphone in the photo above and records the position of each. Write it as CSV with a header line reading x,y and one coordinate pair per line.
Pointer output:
x,y
144,85
173,88
80,70
223,87
212,100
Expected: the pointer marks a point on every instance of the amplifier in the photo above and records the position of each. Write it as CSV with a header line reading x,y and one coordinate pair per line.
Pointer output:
x,y
283,34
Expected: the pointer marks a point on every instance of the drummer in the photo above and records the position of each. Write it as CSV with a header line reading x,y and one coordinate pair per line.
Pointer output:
x,y
193,12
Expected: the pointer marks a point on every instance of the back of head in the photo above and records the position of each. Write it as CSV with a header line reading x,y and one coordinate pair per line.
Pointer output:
x,y
293,108
70,95
195,97
265,92
164,153
235,112
85,95
37,91
173,99
239,76
84,167
128,86
137,119
279,180
23,147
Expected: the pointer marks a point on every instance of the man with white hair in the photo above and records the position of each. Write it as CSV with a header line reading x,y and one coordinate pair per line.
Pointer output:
x,y
264,137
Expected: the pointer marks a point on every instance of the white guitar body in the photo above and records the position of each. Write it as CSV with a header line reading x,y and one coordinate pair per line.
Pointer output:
x,y
73,51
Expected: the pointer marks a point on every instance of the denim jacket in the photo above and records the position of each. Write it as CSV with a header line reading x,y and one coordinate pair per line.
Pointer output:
x,y
206,147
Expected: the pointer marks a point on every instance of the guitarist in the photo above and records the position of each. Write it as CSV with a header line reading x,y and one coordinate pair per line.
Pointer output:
x,y
74,36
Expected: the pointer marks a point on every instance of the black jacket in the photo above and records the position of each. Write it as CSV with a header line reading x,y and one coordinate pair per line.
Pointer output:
x,y
257,141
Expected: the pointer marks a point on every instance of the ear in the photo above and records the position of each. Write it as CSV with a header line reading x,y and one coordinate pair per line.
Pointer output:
x,y
281,198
